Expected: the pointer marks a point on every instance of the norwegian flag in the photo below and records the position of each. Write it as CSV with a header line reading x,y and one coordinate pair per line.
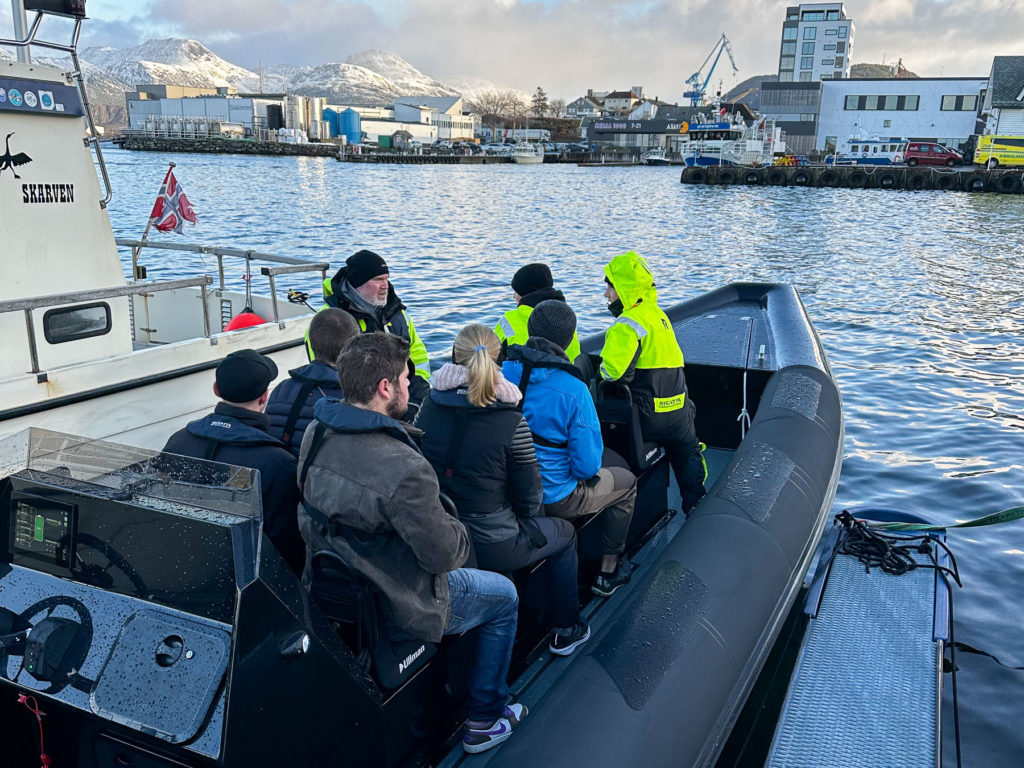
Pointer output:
x,y
722,111
171,209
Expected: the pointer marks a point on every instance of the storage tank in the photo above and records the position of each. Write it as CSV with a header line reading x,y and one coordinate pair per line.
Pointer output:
x,y
351,126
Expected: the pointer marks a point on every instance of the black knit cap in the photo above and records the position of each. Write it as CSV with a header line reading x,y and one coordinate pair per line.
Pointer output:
x,y
244,375
363,266
532,278
552,320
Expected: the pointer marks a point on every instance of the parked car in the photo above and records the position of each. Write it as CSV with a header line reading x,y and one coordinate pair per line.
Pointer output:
x,y
923,153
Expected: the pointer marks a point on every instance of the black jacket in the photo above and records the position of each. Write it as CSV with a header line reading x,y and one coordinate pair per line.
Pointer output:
x,y
238,436
494,477
318,380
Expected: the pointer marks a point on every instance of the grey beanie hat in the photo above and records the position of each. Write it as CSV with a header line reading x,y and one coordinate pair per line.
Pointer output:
x,y
553,320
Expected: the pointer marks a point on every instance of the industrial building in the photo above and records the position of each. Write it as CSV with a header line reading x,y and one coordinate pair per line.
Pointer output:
x,y
816,116
445,112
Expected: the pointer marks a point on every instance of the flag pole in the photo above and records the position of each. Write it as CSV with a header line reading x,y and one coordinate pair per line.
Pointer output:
x,y
136,250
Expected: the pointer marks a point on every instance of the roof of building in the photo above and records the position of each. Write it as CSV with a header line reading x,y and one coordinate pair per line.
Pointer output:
x,y
588,99
438,103
620,95
1007,81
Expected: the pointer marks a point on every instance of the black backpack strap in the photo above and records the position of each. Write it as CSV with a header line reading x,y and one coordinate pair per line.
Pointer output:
x,y
305,389
454,447
524,380
314,448
361,541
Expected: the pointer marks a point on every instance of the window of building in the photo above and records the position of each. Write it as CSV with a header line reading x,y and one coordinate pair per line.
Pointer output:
x,y
842,32
959,103
832,15
840,47
807,62
810,33
73,323
788,48
792,16
813,16
789,33
828,62
852,102
830,47
826,77
807,117
911,103
805,77
787,62
887,123
839,61
830,32
838,75
808,49
786,76
870,102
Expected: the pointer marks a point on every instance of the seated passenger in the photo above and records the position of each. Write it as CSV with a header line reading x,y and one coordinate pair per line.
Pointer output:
x,y
641,348
370,496
567,433
237,433
481,448
290,406
531,285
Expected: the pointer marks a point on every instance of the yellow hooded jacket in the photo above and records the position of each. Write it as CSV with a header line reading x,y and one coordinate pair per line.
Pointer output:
x,y
640,347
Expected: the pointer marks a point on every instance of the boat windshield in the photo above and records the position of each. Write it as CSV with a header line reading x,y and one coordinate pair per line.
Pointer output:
x,y
175,484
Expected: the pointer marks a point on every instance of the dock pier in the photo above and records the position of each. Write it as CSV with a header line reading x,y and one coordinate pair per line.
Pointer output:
x,y
1002,181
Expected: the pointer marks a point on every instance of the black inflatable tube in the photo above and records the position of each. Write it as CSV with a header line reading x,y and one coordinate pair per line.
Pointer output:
x,y
663,682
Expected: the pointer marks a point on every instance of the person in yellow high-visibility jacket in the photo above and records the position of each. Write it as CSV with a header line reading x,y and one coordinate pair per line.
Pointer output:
x,y
363,289
640,349
531,284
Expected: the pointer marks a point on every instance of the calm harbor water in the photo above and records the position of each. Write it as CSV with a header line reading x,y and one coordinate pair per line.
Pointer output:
x,y
916,295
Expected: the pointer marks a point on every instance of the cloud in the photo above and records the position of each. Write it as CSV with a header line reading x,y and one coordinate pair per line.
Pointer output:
x,y
567,46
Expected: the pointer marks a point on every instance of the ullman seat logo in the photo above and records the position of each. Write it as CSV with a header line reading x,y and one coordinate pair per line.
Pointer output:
x,y
408,660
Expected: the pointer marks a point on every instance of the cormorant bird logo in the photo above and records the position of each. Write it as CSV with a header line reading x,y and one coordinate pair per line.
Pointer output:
x,y
7,160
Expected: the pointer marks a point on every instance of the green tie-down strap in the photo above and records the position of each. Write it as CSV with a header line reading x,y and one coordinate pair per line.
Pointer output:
x,y
1006,516
704,461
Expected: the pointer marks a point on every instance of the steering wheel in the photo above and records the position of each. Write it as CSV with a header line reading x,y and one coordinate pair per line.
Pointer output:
x,y
77,651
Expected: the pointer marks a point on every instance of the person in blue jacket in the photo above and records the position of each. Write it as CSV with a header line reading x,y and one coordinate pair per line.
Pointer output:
x,y
567,435
236,433
290,406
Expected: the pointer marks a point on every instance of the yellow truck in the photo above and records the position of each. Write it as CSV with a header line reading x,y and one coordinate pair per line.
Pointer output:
x,y
995,151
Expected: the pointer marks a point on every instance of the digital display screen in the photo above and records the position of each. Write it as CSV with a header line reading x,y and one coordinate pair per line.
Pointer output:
x,y
42,529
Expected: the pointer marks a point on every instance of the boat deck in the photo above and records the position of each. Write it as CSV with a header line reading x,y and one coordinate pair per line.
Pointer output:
x,y
866,690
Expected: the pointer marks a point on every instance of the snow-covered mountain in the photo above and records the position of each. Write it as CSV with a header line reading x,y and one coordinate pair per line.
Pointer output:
x,y
173,61
372,77
409,80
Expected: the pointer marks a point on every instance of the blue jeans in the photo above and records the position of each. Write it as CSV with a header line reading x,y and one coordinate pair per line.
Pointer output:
x,y
488,602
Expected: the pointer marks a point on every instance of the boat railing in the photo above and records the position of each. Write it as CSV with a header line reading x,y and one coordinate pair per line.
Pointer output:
x,y
95,294
289,264
74,9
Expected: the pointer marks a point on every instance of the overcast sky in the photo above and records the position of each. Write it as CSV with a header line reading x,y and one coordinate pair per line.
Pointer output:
x,y
563,45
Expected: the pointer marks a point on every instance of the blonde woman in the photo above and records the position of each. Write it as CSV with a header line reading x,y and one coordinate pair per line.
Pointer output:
x,y
482,450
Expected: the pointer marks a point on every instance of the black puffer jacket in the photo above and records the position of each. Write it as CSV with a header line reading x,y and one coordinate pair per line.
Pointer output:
x,y
493,478
238,436
318,380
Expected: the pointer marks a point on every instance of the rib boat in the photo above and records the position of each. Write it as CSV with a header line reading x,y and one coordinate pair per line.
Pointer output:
x,y
146,620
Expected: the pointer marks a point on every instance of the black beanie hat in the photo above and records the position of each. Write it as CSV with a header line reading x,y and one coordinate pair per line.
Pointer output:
x,y
553,320
532,278
244,375
364,265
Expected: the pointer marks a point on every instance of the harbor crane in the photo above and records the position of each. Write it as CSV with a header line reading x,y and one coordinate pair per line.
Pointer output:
x,y
695,92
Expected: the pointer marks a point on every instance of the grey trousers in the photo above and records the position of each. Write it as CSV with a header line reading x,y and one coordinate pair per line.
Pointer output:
x,y
613,495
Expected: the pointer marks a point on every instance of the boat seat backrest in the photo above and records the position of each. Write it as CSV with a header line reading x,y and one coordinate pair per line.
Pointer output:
x,y
620,426
354,605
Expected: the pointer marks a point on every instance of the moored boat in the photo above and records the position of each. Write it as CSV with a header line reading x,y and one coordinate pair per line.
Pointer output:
x,y
527,153
655,156
872,150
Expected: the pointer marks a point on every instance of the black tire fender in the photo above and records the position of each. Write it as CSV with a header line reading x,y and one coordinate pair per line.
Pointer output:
x,y
887,181
752,177
802,178
777,178
1008,183
917,181
828,179
857,180
975,184
726,177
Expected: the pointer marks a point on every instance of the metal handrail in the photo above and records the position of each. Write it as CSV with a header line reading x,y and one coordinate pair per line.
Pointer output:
x,y
71,49
80,297
294,264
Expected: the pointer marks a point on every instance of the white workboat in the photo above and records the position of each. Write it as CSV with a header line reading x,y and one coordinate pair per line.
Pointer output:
x,y
528,154
87,350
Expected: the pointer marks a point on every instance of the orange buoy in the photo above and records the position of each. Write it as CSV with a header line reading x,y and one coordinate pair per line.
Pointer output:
x,y
244,319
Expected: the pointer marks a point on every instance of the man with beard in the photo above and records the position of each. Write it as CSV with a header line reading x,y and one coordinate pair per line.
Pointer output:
x,y
531,285
370,495
363,289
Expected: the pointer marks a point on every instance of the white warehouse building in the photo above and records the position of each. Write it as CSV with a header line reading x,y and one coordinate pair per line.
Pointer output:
x,y
943,110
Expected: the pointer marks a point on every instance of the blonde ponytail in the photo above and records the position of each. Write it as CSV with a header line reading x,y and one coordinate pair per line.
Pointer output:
x,y
477,347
